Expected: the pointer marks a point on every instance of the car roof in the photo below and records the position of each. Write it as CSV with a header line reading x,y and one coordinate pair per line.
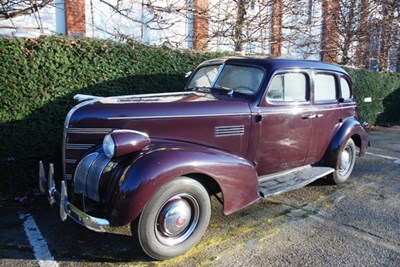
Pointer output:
x,y
273,64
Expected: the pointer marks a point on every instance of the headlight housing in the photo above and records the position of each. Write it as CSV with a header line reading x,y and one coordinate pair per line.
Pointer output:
x,y
122,142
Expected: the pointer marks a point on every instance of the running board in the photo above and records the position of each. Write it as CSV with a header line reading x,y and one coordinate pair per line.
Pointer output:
x,y
275,184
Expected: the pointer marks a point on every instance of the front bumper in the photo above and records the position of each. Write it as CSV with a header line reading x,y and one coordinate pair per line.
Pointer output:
x,y
67,209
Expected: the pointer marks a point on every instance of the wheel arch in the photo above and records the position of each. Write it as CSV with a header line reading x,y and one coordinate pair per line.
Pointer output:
x,y
350,128
209,183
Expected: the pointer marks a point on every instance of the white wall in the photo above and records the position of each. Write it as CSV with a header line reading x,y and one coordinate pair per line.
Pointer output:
x,y
34,25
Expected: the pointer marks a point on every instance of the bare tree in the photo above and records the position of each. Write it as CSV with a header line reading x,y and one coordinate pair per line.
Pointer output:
x,y
387,40
363,33
354,32
13,8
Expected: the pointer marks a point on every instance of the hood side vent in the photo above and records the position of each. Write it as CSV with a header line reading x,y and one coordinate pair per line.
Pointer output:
x,y
222,131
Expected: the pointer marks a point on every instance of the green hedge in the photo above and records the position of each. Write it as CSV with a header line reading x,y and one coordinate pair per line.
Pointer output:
x,y
38,78
384,89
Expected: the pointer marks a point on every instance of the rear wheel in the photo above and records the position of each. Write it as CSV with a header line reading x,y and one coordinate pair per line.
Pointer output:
x,y
346,160
174,220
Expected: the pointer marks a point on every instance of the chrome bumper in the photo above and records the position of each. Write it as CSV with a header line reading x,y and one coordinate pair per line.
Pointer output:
x,y
67,209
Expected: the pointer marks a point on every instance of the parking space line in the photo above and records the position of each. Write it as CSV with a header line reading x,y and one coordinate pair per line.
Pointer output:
x,y
396,160
38,243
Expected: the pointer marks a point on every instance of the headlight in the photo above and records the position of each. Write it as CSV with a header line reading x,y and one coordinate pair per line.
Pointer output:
x,y
109,146
122,142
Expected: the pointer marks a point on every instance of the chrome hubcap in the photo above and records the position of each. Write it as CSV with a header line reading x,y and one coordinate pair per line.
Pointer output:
x,y
177,219
346,159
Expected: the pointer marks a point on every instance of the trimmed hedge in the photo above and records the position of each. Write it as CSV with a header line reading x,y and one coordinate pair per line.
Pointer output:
x,y
38,78
384,89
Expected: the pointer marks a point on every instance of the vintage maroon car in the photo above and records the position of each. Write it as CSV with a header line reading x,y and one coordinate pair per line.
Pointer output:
x,y
243,129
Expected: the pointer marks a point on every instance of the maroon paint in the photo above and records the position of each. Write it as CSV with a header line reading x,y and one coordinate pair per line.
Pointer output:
x,y
165,161
129,141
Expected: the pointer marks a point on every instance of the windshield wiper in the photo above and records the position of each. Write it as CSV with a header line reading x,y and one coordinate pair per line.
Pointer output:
x,y
230,90
200,88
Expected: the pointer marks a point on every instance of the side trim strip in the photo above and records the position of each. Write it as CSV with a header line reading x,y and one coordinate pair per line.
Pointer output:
x,y
276,110
178,116
89,130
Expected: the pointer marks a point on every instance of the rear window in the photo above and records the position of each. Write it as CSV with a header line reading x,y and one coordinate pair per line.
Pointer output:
x,y
345,89
324,87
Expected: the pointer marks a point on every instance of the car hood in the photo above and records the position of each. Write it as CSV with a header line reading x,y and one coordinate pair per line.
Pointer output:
x,y
119,112
192,117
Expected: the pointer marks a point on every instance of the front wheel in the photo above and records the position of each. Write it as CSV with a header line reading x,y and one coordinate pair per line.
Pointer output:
x,y
174,220
346,160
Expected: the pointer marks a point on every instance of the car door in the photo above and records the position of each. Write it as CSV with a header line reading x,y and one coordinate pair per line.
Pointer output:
x,y
286,122
333,103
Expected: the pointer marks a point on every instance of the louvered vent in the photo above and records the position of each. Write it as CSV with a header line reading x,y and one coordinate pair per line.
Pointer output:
x,y
221,131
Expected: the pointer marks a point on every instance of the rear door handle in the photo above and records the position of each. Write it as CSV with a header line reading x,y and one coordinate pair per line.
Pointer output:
x,y
309,116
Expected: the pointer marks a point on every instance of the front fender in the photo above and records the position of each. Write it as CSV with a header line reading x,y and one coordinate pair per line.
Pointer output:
x,y
235,176
350,128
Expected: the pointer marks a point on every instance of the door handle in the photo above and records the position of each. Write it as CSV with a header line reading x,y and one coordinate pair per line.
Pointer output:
x,y
319,115
309,116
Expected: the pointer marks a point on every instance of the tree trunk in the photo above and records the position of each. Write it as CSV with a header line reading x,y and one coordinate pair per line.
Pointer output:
x,y
330,31
240,19
200,24
276,31
363,35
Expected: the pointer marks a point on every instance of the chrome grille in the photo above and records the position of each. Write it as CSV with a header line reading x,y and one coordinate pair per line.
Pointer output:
x,y
77,143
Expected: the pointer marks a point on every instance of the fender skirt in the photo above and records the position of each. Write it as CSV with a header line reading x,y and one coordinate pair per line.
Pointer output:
x,y
165,161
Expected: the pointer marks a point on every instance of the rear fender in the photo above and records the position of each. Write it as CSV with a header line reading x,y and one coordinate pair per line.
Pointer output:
x,y
350,128
235,176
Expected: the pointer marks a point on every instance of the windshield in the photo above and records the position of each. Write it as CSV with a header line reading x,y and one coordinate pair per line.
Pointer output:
x,y
234,78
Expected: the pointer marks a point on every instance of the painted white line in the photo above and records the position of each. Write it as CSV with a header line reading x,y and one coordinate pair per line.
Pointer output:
x,y
38,243
396,160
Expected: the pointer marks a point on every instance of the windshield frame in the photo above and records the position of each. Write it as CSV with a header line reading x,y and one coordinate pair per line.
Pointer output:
x,y
230,91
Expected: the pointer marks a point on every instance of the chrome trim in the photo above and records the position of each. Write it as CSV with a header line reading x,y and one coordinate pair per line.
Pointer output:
x,y
70,161
71,146
178,116
236,130
89,130
301,108
67,209
82,97
65,133
94,175
131,131
42,178
87,175
151,95
81,173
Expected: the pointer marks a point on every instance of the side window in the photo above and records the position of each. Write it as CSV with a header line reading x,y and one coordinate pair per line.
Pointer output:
x,y
288,87
345,88
324,87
